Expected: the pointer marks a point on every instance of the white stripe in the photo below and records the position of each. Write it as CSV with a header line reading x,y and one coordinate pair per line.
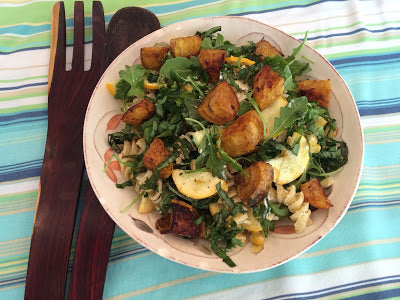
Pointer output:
x,y
23,102
24,185
378,121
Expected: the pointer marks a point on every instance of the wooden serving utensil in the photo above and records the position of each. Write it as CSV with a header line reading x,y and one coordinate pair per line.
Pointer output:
x,y
96,228
63,163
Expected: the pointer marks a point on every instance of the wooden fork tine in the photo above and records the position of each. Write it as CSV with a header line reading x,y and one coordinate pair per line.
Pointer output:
x,y
98,35
79,32
58,34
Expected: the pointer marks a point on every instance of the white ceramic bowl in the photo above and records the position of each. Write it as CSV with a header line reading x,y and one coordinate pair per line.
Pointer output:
x,y
278,248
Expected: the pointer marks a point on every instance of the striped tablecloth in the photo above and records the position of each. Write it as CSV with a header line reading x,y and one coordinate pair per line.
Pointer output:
x,y
360,258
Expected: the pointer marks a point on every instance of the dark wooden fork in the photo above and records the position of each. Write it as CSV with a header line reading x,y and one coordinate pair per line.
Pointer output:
x,y
63,163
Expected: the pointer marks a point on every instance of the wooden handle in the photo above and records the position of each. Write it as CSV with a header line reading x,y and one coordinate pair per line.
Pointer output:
x,y
62,168
96,227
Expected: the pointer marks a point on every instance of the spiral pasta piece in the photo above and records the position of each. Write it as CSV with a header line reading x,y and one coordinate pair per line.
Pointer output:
x,y
153,195
130,148
295,203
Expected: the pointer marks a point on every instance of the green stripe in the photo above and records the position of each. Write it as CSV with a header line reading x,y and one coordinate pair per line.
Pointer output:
x,y
23,79
357,41
38,40
29,95
345,27
361,52
369,291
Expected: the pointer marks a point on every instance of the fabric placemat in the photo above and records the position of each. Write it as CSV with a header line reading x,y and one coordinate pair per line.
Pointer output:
x,y
360,258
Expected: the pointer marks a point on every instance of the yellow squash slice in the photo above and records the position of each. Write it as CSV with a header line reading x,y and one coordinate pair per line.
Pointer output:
x,y
197,185
288,166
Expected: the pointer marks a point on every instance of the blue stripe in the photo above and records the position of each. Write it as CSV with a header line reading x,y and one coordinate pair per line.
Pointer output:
x,y
378,102
23,86
376,110
22,115
351,32
22,165
343,288
25,120
21,174
365,58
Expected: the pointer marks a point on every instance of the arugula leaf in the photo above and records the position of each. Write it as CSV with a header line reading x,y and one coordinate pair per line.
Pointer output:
x,y
210,32
134,76
229,202
225,157
269,150
258,111
117,138
280,210
289,114
122,89
208,152
261,212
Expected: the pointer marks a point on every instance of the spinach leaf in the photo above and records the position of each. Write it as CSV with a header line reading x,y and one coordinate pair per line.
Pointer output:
x,y
175,65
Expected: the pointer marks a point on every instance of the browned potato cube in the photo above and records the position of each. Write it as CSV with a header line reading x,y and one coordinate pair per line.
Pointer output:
x,y
211,60
151,57
253,188
268,86
220,105
315,194
156,155
181,221
139,113
243,135
186,46
265,49
316,90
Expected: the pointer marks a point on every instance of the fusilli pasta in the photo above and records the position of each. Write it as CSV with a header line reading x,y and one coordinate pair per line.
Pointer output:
x,y
130,148
295,203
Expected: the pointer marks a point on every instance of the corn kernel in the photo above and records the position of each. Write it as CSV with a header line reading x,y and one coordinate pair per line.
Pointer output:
x,y
257,238
215,208
327,182
292,140
146,205
242,237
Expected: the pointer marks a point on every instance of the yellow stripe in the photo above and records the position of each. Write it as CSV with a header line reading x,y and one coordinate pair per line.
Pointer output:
x,y
349,247
372,209
164,285
24,139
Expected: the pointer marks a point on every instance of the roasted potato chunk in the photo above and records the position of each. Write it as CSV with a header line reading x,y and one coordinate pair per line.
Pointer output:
x,y
180,221
220,105
253,188
316,90
156,155
268,86
265,49
186,46
243,135
315,194
211,60
151,57
139,113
